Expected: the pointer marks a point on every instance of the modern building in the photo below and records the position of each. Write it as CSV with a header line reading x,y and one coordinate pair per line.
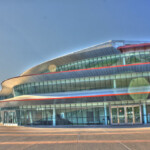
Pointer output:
x,y
107,84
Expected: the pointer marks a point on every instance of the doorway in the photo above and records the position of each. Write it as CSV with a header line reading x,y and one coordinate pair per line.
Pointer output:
x,y
126,114
10,117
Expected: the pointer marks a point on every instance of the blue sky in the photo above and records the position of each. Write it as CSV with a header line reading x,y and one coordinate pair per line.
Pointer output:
x,y
34,31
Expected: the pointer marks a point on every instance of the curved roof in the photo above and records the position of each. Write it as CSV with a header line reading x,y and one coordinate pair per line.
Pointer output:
x,y
104,49
99,50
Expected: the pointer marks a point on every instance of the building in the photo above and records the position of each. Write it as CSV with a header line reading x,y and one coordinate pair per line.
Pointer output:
x,y
101,85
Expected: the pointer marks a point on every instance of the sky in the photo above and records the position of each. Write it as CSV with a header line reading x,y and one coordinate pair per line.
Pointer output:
x,y
35,31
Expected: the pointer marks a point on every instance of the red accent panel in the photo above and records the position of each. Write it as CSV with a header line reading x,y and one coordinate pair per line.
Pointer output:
x,y
134,46
75,97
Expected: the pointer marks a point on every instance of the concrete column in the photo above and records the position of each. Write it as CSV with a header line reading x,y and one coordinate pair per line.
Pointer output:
x,y
110,114
105,113
124,61
114,84
125,112
133,115
14,92
144,114
54,116
140,114
30,115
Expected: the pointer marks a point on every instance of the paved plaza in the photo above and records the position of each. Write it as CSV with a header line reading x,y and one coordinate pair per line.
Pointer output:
x,y
115,138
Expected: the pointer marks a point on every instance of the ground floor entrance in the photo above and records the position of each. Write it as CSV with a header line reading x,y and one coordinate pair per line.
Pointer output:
x,y
130,114
9,117
91,113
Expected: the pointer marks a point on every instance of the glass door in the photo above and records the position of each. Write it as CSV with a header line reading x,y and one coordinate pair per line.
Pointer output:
x,y
137,116
121,115
10,117
129,114
114,116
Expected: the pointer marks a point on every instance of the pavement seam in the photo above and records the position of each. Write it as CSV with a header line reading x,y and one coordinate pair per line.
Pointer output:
x,y
124,145
74,141
89,134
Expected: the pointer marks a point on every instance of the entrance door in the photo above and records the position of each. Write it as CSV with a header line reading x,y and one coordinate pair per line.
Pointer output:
x,y
137,115
10,117
126,114
118,115
130,117
114,117
121,115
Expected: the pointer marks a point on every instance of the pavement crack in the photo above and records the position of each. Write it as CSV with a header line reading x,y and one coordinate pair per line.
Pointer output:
x,y
125,146
119,142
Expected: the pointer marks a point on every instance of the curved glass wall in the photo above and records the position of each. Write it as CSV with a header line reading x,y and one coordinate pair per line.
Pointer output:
x,y
66,114
6,97
86,83
111,60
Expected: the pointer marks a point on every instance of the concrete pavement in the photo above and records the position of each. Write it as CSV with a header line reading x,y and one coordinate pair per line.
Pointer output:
x,y
30,138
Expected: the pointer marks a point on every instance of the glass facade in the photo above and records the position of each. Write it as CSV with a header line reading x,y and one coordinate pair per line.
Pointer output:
x,y
94,113
65,114
6,96
88,83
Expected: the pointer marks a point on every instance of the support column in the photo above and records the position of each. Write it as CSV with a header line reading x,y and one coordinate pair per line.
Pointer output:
x,y
140,114
105,113
124,61
54,116
125,113
110,115
14,92
30,114
114,84
133,115
144,114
